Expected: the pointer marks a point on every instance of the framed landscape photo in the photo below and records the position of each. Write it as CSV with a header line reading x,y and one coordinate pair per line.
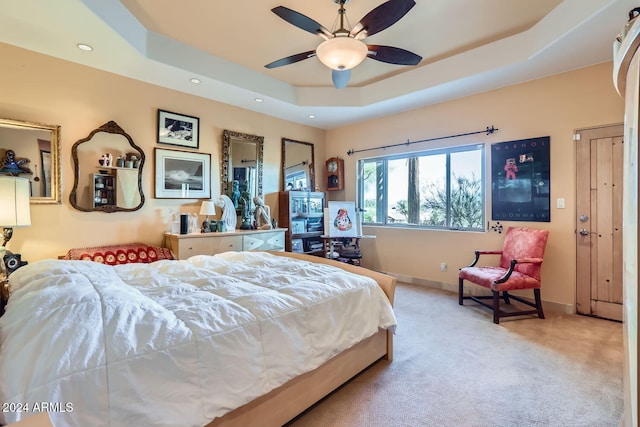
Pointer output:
x,y
178,129
182,174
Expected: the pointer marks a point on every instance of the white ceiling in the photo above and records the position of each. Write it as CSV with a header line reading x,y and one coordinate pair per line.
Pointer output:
x,y
468,46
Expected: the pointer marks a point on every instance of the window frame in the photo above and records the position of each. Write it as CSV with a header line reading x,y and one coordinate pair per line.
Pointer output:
x,y
382,209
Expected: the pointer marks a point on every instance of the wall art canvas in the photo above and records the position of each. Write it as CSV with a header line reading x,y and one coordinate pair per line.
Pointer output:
x,y
182,174
520,180
342,220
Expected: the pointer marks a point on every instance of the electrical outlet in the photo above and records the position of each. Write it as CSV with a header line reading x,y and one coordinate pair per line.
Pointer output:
x,y
443,266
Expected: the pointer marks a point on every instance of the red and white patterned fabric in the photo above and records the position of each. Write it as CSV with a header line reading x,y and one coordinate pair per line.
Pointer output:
x,y
121,254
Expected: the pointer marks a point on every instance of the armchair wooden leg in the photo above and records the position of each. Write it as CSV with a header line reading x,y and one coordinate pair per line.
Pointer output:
x,y
505,296
536,293
496,307
460,290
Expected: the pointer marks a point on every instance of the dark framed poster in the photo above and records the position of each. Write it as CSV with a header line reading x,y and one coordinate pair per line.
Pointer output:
x,y
520,180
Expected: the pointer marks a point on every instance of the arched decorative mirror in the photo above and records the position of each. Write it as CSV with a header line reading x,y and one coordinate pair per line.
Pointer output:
x,y
242,165
36,147
108,171
298,165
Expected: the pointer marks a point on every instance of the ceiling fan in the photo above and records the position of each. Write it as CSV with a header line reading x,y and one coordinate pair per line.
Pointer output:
x,y
342,48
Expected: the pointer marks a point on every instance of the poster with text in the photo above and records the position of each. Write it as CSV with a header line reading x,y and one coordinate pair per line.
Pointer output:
x,y
520,180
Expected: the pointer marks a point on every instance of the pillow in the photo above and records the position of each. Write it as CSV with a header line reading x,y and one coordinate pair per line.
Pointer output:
x,y
121,254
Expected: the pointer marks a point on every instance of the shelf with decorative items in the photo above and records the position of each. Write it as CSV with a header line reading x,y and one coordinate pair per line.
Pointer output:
x,y
115,186
302,212
104,189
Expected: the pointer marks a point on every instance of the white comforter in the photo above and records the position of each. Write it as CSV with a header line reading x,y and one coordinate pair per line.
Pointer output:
x,y
173,343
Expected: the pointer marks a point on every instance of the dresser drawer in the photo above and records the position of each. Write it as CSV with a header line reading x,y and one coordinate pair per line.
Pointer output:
x,y
273,241
224,244
187,245
190,247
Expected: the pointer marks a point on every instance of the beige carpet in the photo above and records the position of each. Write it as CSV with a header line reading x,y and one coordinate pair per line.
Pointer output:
x,y
454,367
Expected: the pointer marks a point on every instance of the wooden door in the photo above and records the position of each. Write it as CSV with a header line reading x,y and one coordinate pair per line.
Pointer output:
x,y
599,165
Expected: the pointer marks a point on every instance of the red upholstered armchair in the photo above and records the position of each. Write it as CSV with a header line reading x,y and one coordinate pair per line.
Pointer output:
x,y
520,263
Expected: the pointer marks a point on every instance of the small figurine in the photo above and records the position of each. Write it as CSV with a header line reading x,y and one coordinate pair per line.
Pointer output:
x,y
244,204
229,218
262,214
12,166
235,193
106,160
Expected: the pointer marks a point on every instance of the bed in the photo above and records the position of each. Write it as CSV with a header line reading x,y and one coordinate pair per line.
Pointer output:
x,y
236,339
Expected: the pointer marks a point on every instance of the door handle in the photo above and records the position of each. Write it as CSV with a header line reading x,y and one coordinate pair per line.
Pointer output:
x,y
585,232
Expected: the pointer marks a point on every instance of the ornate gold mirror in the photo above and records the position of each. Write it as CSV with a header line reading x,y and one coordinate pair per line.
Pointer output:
x,y
108,171
242,156
36,147
298,165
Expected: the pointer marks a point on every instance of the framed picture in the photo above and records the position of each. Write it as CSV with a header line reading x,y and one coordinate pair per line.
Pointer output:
x,y
182,174
341,219
178,129
520,180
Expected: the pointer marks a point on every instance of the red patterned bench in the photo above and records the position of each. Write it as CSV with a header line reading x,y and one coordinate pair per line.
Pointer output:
x,y
121,254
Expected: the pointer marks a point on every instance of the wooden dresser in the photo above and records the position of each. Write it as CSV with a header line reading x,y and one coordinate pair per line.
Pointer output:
x,y
187,245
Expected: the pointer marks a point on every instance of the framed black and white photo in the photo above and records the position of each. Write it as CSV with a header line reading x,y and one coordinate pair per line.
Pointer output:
x,y
182,174
178,129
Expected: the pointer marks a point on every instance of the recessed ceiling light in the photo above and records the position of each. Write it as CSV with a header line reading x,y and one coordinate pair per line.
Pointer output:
x,y
85,47
195,81
312,116
259,100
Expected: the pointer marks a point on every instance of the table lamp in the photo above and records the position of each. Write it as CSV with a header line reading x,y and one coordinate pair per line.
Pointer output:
x,y
14,212
14,203
207,208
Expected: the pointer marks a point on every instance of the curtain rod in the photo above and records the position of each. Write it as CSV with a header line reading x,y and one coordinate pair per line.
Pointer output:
x,y
303,163
488,131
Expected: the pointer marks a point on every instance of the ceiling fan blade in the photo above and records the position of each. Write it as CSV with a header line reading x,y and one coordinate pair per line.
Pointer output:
x,y
299,20
383,16
291,59
392,55
340,78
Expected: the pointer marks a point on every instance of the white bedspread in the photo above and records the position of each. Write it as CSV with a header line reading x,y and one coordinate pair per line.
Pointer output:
x,y
173,343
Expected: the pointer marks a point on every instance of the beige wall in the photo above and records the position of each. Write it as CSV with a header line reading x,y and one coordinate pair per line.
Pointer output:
x,y
554,106
79,98
41,89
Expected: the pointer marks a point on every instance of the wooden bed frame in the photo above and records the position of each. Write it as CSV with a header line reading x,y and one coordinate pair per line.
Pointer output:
x,y
291,399
286,402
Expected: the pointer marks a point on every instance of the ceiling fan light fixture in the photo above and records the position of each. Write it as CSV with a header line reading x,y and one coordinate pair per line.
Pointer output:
x,y
342,53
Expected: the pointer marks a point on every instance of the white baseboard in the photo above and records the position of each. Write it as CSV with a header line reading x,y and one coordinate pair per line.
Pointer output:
x,y
476,290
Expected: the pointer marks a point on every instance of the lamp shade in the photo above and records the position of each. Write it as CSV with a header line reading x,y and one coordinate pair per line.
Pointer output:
x,y
341,52
14,202
207,208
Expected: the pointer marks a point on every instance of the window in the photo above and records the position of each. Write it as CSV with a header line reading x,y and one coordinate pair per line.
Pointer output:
x,y
432,189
